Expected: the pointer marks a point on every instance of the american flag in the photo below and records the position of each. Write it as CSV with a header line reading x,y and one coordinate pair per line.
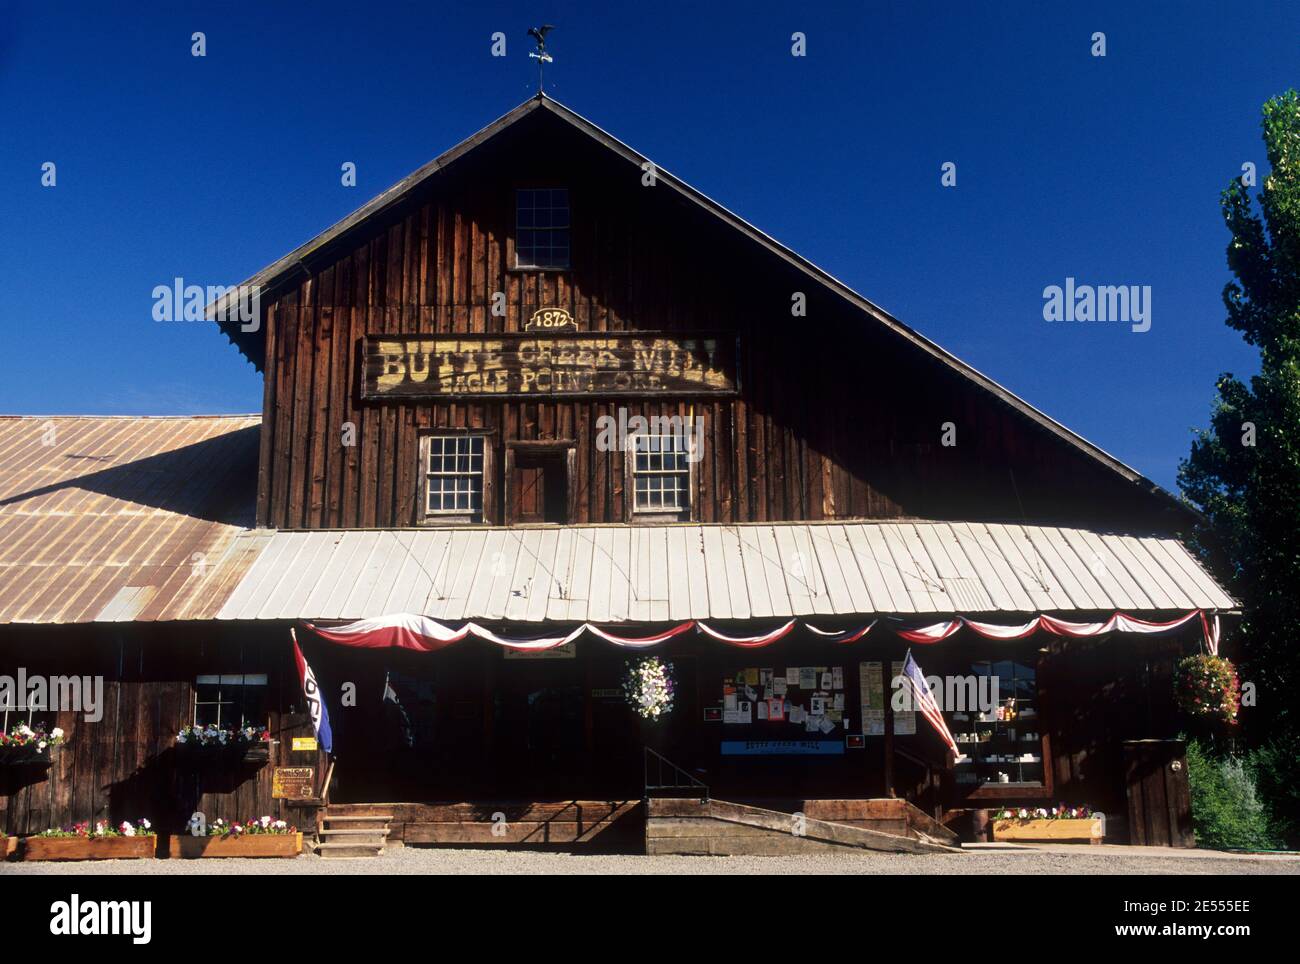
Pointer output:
x,y
924,700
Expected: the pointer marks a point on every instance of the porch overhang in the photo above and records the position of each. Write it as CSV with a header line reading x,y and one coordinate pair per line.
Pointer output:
x,y
656,574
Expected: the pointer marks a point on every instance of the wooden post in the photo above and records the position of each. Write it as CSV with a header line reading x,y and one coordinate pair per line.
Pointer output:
x,y
588,674
886,675
488,758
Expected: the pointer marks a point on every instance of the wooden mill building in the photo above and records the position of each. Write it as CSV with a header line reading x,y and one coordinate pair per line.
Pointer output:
x,y
444,371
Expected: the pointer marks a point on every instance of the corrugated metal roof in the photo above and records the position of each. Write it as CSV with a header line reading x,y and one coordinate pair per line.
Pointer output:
x,y
648,574
114,519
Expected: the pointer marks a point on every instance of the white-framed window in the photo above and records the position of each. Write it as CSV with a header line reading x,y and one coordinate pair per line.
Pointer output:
x,y
230,700
542,227
661,475
455,470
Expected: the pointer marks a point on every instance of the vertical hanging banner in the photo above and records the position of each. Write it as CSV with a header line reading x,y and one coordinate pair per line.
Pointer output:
x,y
320,718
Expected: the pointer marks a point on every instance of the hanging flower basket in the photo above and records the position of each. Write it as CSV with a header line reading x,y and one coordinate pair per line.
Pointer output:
x,y
1208,686
649,687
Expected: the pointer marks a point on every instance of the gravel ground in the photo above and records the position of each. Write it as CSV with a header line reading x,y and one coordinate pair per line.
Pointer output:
x,y
417,860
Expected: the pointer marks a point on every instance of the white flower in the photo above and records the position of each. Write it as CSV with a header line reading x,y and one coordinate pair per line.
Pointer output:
x,y
40,746
146,824
57,733
25,730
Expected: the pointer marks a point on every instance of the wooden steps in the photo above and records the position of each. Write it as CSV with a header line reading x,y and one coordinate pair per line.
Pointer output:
x,y
344,833
719,828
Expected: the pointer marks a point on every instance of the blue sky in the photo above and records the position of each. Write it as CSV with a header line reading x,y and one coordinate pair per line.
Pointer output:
x,y
1107,170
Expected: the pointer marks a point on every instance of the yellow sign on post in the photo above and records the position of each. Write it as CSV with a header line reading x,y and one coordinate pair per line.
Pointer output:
x,y
304,743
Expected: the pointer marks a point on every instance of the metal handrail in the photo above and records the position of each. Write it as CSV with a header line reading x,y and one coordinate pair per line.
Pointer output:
x,y
928,764
659,761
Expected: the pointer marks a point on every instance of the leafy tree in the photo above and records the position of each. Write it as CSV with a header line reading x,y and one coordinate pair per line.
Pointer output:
x,y
1244,470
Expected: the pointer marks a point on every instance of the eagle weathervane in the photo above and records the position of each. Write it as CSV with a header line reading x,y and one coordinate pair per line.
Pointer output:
x,y
540,55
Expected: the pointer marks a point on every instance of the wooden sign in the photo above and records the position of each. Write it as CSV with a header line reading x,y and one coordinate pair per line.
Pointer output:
x,y
293,783
567,650
556,364
551,319
305,744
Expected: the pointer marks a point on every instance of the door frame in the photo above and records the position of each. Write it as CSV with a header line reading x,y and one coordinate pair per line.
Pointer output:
x,y
567,448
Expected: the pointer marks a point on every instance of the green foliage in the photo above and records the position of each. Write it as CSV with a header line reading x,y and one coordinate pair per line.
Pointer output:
x,y
1251,493
1277,775
1227,812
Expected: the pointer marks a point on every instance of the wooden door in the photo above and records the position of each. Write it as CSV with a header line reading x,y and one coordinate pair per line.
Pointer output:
x,y
538,485
1159,798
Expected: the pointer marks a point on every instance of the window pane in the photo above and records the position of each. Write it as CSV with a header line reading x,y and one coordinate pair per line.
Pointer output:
x,y
662,474
542,227
454,483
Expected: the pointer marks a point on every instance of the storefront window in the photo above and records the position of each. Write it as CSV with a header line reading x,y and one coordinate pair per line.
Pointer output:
x,y
1001,744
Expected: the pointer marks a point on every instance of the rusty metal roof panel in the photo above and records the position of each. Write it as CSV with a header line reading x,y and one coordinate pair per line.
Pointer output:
x,y
123,518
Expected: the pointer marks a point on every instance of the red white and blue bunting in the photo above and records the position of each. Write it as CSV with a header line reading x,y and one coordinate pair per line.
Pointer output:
x,y
422,634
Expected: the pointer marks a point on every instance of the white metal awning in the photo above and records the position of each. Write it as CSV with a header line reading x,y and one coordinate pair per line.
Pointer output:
x,y
650,574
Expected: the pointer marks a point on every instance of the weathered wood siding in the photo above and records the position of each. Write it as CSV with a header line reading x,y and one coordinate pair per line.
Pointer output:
x,y
125,766
837,418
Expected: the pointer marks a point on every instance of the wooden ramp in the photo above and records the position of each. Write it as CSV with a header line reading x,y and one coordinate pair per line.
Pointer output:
x,y
719,828
660,826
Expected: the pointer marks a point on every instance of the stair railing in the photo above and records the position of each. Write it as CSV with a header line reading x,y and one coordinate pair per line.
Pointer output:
x,y
933,777
675,778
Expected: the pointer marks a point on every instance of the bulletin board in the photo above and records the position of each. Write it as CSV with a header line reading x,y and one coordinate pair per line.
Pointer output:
x,y
871,689
792,710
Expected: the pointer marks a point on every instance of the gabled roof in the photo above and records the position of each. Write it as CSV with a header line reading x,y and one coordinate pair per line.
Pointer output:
x,y
669,573
274,278
107,519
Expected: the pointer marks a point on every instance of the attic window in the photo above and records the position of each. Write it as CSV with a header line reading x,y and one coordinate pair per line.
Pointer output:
x,y
542,227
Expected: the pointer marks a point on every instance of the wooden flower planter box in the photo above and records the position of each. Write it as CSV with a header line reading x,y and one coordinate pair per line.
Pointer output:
x,y
8,845
1045,831
235,755
248,845
84,848
28,756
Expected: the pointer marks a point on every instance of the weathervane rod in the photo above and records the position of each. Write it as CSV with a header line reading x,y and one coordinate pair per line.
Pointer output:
x,y
541,56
